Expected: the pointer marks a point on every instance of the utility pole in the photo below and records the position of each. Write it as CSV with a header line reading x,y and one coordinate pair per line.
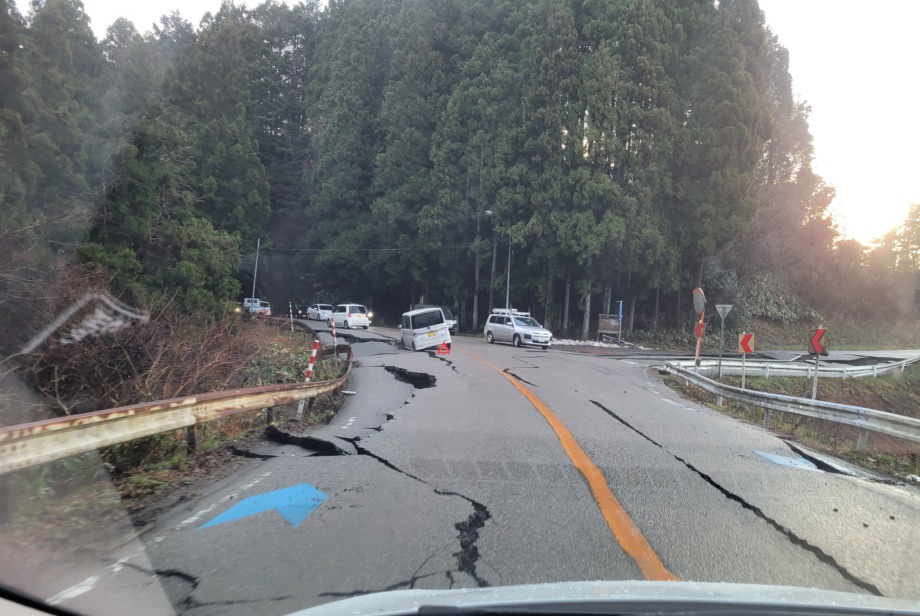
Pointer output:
x,y
255,271
508,282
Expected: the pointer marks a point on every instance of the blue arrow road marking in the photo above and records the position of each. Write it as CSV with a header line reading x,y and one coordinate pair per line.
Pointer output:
x,y
784,461
294,504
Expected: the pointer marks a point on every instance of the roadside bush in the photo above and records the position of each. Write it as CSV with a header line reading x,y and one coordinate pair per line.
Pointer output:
x,y
170,356
767,296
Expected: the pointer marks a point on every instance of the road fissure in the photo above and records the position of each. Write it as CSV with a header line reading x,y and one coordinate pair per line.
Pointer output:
x,y
467,530
624,529
820,554
418,380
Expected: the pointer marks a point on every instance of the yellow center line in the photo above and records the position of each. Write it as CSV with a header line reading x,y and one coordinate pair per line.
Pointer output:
x,y
621,525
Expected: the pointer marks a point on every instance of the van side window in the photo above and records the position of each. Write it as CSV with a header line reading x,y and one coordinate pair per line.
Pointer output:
x,y
405,323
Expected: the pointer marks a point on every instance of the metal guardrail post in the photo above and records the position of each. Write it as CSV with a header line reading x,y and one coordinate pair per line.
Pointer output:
x,y
862,440
865,419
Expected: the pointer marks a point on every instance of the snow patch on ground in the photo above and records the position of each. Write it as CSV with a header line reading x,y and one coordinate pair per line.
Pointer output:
x,y
591,343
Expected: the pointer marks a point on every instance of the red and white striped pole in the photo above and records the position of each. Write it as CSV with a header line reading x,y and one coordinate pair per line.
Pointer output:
x,y
335,345
291,312
312,361
309,375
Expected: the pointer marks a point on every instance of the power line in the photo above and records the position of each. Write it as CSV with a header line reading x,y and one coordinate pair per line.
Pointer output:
x,y
455,247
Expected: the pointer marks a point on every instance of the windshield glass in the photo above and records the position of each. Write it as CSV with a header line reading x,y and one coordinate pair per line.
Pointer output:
x,y
713,207
526,322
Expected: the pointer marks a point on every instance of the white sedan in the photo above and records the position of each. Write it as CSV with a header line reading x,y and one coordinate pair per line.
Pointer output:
x,y
319,312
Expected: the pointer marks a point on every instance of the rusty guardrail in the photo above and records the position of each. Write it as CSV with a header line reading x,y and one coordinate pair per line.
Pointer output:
x,y
39,442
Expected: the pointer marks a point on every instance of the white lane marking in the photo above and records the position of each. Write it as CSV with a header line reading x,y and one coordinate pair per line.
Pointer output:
x,y
679,405
350,421
119,564
76,590
211,508
89,583
626,361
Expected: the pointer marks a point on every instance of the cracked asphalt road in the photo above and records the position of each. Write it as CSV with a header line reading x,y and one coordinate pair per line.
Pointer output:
x,y
453,479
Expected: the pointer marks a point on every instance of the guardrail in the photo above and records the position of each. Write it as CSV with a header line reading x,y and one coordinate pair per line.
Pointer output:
x,y
39,442
802,369
866,419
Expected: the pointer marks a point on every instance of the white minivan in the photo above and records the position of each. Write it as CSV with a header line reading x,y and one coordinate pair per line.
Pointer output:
x,y
424,328
350,315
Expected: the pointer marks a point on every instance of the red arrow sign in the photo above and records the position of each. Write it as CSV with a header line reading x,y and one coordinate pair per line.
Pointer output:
x,y
745,343
818,345
699,329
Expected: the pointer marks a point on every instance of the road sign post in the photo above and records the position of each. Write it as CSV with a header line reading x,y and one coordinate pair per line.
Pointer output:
x,y
723,310
745,346
699,304
817,346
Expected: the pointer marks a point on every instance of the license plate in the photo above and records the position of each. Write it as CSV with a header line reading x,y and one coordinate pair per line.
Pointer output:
x,y
431,334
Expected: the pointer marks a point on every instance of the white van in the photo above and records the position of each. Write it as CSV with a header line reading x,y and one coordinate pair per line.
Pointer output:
x,y
254,305
424,328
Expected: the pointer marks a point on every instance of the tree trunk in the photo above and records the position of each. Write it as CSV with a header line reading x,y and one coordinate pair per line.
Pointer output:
x,y
586,322
476,283
547,299
607,293
492,278
565,308
463,311
678,322
476,249
655,320
632,313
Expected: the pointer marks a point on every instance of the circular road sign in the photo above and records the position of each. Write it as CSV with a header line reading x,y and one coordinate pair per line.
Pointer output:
x,y
699,300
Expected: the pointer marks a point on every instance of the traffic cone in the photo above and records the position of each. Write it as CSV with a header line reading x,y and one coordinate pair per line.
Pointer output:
x,y
443,349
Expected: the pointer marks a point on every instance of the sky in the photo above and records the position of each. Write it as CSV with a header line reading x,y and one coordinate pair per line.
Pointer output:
x,y
856,64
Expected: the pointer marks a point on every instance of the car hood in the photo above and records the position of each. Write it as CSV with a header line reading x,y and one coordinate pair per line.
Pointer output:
x,y
615,597
535,330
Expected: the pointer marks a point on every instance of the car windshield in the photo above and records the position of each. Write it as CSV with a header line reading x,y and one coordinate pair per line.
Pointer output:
x,y
526,322
713,208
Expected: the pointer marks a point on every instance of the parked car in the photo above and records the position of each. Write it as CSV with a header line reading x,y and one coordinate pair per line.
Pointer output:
x,y
518,328
424,328
449,317
351,315
298,311
320,312
254,305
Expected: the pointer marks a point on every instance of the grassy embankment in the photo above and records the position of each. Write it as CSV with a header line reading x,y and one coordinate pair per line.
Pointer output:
x,y
897,393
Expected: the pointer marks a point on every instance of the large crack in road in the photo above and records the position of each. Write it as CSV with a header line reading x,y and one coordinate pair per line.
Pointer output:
x,y
418,380
467,530
820,554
